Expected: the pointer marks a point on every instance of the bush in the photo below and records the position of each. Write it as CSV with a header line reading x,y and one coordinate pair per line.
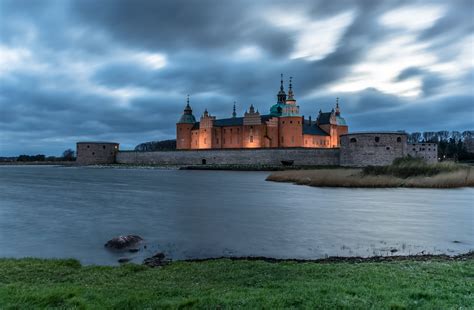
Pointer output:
x,y
410,166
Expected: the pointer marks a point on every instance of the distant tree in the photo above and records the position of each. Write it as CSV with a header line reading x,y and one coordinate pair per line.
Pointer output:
x,y
443,135
468,134
456,135
38,157
165,145
430,136
68,155
414,137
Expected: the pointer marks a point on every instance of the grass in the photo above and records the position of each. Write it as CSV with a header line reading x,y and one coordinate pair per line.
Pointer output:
x,y
224,283
404,172
410,166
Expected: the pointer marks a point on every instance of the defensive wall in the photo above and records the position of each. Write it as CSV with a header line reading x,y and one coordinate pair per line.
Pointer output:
x,y
299,156
90,153
381,148
427,151
357,150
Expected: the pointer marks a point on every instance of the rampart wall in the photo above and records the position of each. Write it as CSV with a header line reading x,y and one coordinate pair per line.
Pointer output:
x,y
372,149
299,156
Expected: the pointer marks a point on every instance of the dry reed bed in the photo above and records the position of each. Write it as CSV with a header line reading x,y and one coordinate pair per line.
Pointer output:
x,y
463,177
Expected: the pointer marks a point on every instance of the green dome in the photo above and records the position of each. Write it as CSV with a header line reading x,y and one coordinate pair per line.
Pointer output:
x,y
277,109
187,119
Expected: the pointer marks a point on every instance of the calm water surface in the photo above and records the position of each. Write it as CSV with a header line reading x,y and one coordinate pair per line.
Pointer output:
x,y
48,211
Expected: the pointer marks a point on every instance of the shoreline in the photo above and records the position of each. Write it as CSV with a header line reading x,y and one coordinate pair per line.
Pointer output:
x,y
433,283
354,178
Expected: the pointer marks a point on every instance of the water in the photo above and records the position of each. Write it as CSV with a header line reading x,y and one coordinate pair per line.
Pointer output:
x,y
64,212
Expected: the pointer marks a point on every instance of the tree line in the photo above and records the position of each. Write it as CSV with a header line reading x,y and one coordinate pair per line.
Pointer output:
x,y
68,155
451,144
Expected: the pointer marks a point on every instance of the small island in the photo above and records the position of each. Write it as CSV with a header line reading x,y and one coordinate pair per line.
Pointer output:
x,y
403,172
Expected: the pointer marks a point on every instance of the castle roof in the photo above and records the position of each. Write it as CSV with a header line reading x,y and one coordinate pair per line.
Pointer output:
x,y
313,129
325,118
233,121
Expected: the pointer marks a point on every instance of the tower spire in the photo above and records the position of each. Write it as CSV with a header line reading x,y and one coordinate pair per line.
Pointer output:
x,y
234,115
290,90
281,94
338,111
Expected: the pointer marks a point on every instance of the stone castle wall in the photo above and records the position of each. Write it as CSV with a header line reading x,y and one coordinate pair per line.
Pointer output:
x,y
427,151
372,149
300,156
90,153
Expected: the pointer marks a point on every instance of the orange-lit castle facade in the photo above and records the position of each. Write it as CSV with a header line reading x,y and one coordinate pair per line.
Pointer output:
x,y
282,128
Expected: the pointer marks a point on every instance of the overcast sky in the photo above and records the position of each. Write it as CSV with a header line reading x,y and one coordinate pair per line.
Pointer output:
x,y
120,70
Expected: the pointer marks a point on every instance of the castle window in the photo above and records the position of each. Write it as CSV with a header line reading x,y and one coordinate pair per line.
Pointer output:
x,y
224,130
93,153
399,139
291,122
298,122
88,146
353,140
414,149
205,140
283,122
305,142
103,146
292,139
231,130
282,139
251,138
387,148
251,127
377,139
223,140
217,140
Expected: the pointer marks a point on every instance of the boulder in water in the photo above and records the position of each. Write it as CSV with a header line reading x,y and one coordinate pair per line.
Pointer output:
x,y
122,242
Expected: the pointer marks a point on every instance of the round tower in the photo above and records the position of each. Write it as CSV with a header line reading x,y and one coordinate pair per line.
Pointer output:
x,y
184,127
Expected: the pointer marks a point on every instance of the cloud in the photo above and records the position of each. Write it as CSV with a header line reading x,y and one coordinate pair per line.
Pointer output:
x,y
120,70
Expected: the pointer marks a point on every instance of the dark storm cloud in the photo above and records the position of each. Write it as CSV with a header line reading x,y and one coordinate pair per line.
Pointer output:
x,y
72,73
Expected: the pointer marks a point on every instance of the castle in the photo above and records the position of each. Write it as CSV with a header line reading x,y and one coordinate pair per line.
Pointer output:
x,y
283,127
280,137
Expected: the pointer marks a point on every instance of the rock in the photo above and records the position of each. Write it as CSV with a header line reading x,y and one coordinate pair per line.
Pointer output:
x,y
156,260
133,250
124,260
122,242
393,250
456,241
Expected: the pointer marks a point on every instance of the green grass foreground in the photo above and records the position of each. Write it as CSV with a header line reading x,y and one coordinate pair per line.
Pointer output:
x,y
224,283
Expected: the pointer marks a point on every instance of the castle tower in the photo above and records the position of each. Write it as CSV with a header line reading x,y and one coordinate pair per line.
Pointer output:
x,y
291,109
290,122
184,127
206,131
277,109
